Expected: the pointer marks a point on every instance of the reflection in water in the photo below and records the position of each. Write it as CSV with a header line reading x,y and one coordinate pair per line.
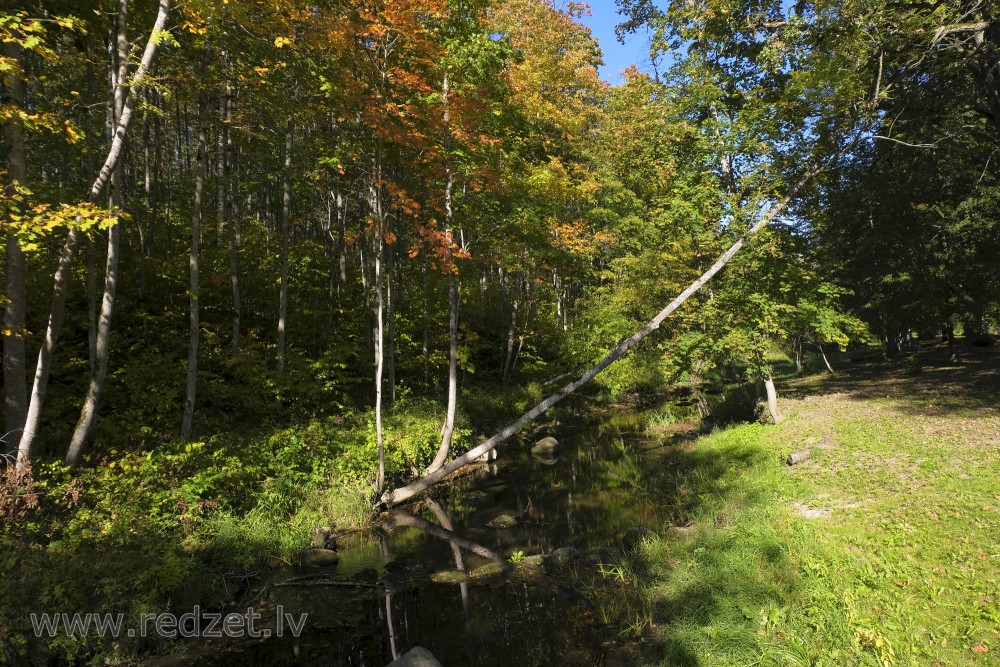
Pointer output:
x,y
463,585
528,615
384,544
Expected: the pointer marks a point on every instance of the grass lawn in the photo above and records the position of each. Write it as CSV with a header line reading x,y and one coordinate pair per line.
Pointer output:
x,y
883,548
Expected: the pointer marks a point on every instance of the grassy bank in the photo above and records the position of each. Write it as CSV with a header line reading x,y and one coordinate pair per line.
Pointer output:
x,y
883,548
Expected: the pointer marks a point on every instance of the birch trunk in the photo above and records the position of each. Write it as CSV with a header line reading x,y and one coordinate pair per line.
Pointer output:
x,y
379,360
61,280
402,494
826,361
286,212
102,349
390,324
194,316
448,430
449,421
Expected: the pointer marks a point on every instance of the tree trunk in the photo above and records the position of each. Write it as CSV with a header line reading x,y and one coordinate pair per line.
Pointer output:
x,y
88,413
14,380
341,241
515,298
390,328
194,327
826,361
772,399
61,281
379,359
234,234
402,494
222,169
369,309
118,141
286,212
91,285
425,350
449,420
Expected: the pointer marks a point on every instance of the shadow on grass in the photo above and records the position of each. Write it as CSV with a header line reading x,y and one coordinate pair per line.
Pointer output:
x,y
926,382
718,575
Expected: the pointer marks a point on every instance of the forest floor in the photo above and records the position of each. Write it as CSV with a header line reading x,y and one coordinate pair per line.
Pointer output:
x,y
882,548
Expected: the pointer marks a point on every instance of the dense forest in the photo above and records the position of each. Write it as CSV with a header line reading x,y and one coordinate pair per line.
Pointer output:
x,y
269,261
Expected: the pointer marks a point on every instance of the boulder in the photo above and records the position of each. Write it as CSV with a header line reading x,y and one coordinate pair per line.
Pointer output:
x,y
535,562
417,656
564,556
545,446
316,558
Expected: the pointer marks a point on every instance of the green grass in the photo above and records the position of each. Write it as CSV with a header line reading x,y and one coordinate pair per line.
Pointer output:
x,y
882,549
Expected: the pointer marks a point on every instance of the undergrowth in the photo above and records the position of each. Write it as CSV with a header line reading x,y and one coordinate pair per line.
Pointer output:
x,y
182,523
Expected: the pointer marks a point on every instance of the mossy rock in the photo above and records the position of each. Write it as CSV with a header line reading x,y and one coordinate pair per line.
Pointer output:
x,y
488,571
502,521
448,577
545,446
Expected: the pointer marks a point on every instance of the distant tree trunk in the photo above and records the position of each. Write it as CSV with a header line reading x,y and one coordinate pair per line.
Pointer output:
x,y
402,494
390,329
514,300
529,296
234,231
194,328
425,350
286,212
61,281
772,399
14,380
222,168
341,241
797,348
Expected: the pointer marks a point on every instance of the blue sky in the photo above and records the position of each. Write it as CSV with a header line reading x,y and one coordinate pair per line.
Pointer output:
x,y
617,56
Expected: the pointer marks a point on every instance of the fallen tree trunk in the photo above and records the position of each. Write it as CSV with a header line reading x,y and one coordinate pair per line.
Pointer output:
x,y
402,494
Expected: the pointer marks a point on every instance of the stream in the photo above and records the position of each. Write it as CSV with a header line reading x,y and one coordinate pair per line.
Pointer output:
x,y
440,573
